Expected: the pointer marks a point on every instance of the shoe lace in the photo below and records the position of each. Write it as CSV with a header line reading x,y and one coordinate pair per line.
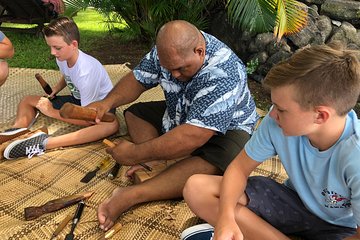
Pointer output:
x,y
35,149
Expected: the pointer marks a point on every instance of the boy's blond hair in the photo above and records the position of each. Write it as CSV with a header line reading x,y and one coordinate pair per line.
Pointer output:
x,y
327,75
64,27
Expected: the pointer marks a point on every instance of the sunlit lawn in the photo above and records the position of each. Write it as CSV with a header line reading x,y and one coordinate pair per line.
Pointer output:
x,y
32,52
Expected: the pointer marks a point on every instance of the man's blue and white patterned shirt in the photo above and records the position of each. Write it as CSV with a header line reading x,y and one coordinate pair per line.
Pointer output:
x,y
217,97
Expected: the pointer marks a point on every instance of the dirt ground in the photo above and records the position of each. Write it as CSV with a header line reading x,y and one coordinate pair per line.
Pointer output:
x,y
110,51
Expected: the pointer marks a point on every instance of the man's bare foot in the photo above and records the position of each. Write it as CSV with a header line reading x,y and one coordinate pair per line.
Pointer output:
x,y
130,172
110,209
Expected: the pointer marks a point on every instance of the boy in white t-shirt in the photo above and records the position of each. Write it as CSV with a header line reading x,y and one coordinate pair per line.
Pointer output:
x,y
87,80
316,134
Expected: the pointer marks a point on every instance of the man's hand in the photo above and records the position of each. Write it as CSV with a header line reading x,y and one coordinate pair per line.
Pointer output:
x,y
123,153
101,108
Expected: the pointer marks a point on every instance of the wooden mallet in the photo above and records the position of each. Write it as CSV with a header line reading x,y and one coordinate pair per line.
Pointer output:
x,y
72,111
43,84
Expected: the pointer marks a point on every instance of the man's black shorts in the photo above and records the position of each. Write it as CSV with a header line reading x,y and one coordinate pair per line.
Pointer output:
x,y
220,150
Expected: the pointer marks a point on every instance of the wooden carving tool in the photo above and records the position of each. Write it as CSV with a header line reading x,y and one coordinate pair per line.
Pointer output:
x,y
114,171
108,234
90,175
111,144
69,110
54,205
76,219
61,226
43,84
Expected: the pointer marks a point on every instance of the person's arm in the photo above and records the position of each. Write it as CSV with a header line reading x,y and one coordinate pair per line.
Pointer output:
x,y
178,142
60,85
6,49
125,91
232,188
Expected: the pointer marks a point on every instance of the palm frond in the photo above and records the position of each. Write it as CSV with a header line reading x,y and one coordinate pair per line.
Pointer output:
x,y
74,6
291,17
252,15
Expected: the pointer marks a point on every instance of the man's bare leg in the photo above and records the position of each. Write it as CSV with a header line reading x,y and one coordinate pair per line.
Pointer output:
x,y
26,111
167,185
204,202
140,131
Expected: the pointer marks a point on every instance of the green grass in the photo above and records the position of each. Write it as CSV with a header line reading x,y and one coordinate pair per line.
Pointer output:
x,y
32,51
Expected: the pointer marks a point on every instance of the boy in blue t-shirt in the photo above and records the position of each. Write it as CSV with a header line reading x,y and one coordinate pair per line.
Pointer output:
x,y
316,134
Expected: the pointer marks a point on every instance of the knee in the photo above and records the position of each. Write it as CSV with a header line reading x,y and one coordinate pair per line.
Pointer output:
x,y
4,72
193,187
29,100
129,117
115,126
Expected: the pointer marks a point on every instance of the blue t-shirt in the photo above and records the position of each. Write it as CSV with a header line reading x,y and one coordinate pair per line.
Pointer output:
x,y
2,36
328,182
217,97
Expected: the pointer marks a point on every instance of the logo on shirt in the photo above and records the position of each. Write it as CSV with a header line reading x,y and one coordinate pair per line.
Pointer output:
x,y
335,200
74,91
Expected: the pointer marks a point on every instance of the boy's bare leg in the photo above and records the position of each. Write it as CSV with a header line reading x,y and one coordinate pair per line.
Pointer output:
x,y
167,185
204,202
26,111
84,135
4,71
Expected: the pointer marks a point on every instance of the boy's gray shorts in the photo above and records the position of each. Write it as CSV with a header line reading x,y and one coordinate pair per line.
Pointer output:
x,y
282,208
220,150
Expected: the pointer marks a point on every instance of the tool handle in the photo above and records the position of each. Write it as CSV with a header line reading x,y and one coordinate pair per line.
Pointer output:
x,y
43,84
69,110
114,171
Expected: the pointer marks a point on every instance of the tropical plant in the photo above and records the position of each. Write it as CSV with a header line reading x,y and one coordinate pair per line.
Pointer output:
x,y
72,7
281,16
144,17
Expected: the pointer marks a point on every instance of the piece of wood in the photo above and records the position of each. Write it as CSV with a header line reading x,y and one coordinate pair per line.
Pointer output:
x,y
142,175
111,232
43,84
54,205
72,111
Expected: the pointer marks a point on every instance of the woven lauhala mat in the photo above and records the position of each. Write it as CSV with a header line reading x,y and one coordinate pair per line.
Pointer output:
x,y
32,182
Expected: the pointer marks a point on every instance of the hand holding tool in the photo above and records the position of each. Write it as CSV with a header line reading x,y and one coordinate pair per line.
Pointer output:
x,y
76,219
111,144
54,205
69,110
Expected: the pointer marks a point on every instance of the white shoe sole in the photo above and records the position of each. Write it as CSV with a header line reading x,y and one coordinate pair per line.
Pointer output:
x,y
13,132
14,143
195,230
